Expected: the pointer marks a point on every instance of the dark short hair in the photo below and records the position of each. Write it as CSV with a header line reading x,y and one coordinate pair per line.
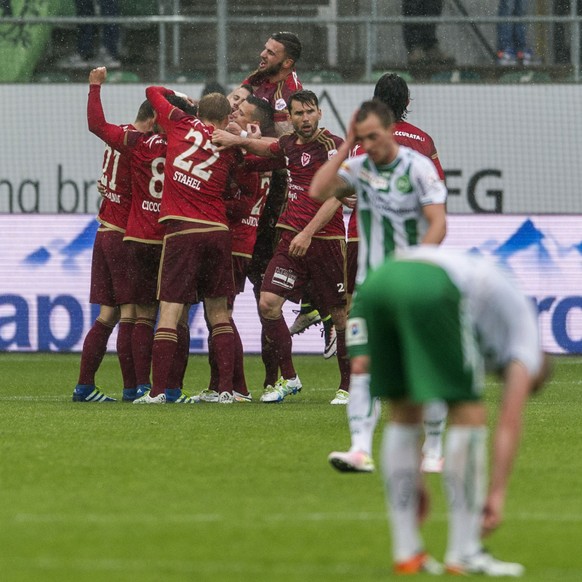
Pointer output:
x,y
393,91
291,43
182,104
213,86
145,111
214,107
303,96
263,114
377,108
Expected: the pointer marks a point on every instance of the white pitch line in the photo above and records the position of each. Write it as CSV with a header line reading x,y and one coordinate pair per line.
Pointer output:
x,y
145,519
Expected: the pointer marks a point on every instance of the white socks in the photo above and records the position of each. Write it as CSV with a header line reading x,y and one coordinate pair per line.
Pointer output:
x,y
465,476
363,413
435,419
400,459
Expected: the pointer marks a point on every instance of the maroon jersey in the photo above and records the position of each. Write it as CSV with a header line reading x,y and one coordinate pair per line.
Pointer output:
x,y
116,173
147,182
303,160
410,136
245,208
196,174
276,94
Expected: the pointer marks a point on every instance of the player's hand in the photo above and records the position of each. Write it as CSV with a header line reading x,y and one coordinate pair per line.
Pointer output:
x,y
254,131
299,245
97,76
101,189
351,138
349,201
233,128
492,514
225,139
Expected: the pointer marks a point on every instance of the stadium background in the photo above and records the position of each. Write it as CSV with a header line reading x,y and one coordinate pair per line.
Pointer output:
x,y
507,138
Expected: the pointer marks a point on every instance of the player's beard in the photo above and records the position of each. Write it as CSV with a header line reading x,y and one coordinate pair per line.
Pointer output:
x,y
259,75
308,133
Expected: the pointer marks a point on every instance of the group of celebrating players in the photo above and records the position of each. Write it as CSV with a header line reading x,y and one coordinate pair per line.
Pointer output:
x,y
235,173
254,188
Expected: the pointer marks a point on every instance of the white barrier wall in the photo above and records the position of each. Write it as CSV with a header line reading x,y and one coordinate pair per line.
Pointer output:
x,y
505,148
45,269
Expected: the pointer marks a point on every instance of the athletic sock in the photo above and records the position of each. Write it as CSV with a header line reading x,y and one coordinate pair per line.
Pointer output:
x,y
434,422
400,461
343,360
178,369
363,413
465,475
277,332
270,360
223,340
142,341
125,352
164,350
94,348
238,376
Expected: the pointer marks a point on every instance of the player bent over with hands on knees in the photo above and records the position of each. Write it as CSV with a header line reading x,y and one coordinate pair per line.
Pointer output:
x,y
434,320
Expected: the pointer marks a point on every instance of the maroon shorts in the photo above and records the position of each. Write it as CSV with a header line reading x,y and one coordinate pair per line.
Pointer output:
x,y
352,268
240,267
111,273
323,268
144,259
195,263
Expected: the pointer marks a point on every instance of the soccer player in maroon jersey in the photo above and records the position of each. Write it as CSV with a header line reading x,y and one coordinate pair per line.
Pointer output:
x,y
393,91
245,205
144,232
110,278
275,79
196,256
312,245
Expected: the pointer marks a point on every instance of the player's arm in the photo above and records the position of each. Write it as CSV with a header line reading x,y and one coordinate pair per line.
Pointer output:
x,y
326,183
111,134
302,240
157,97
259,147
518,385
436,217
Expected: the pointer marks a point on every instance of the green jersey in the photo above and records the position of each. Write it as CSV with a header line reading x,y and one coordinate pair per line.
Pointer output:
x,y
390,203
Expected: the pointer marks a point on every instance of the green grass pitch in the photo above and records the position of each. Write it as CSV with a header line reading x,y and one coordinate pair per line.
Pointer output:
x,y
114,492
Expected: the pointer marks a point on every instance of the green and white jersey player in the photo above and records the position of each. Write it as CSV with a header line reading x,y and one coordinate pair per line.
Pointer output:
x,y
432,319
400,203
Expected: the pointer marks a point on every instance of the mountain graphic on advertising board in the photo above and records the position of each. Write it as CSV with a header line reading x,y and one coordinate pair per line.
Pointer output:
x,y
68,252
541,249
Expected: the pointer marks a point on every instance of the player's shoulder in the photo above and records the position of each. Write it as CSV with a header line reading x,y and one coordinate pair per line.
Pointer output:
x,y
328,140
292,82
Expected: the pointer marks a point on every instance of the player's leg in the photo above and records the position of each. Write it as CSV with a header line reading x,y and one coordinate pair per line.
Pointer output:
x,y
363,411
142,342
94,348
173,392
126,326
223,343
434,422
339,317
277,334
